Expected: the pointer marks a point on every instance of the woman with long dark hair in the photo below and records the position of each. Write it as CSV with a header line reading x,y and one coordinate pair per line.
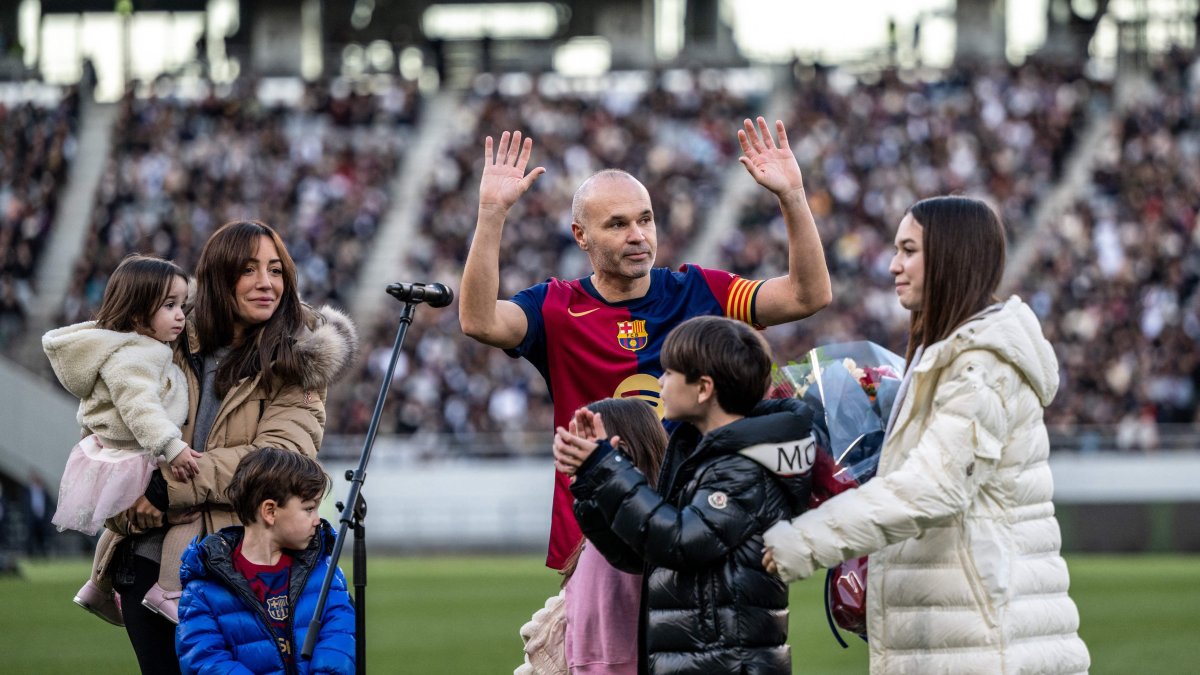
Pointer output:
x,y
257,363
965,572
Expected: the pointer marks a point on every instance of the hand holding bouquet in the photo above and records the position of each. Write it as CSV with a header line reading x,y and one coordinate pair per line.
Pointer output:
x,y
852,388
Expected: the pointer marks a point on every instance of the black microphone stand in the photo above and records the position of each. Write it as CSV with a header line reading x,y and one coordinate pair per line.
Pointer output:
x,y
354,509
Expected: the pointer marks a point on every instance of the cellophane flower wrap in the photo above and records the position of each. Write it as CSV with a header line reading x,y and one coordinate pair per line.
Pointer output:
x,y
851,387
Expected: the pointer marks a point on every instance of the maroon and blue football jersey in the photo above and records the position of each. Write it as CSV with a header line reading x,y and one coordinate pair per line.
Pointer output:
x,y
588,349
270,584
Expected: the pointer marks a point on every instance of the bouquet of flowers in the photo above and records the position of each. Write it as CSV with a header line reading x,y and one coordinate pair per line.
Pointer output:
x,y
851,387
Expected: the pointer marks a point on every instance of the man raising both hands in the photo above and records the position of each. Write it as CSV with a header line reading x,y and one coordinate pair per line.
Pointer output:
x,y
599,336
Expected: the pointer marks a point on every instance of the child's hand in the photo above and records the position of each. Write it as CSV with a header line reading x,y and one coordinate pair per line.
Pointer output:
x,y
768,561
570,451
598,430
184,466
581,424
589,425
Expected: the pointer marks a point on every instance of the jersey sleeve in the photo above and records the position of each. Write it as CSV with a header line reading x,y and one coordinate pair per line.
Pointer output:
x,y
736,295
530,301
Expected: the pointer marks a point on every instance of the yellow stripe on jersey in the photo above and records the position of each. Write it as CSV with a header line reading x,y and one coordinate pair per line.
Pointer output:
x,y
740,305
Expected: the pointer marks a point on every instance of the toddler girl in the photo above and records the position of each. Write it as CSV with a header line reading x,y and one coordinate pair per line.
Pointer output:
x,y
132,400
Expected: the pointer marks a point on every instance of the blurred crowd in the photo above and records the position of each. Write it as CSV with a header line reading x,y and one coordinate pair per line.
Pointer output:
x,y
1116,284
678,136
870,148
317,168
1115,281
36,147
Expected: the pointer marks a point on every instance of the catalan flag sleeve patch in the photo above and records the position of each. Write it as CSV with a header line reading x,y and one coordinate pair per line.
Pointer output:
x,y
740,304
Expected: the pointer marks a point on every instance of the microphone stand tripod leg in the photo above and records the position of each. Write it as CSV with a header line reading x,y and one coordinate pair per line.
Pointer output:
x,y
360,584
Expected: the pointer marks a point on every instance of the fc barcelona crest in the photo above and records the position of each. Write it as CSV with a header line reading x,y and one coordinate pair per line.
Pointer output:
x,y
277,608
632,335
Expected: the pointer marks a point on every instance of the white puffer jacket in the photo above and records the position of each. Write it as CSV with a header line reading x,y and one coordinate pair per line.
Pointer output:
x,y
966,574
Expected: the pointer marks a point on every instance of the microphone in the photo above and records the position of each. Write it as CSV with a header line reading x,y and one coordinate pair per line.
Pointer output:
x,y
434,295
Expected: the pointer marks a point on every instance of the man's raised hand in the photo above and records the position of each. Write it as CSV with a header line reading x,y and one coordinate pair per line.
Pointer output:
x,y
504,178
773,166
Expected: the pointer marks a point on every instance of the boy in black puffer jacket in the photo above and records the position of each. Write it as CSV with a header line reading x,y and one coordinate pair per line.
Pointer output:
x,y
735,466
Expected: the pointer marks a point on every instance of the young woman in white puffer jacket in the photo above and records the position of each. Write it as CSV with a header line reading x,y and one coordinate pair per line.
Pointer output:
x,y
966,574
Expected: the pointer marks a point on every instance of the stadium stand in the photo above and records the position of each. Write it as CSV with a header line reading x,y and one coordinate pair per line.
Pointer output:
x,y
871,146
37,142
1116,285
314,161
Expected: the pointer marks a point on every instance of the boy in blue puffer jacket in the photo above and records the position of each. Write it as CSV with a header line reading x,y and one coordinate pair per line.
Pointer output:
x,y
249,592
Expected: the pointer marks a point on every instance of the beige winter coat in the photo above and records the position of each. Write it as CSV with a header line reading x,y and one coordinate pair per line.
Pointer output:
x,y
966,574
131,394
251,416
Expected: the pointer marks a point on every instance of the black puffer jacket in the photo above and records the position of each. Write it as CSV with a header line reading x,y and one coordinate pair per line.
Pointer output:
x,y
708,606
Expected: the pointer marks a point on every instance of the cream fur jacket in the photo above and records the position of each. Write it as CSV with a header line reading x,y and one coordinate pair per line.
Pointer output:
x,y
965,573
131,394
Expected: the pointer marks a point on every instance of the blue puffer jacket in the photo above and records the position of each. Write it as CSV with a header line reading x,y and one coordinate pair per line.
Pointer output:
x,y
223,628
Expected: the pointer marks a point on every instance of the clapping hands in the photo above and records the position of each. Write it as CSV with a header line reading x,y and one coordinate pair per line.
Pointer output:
x,y
573,445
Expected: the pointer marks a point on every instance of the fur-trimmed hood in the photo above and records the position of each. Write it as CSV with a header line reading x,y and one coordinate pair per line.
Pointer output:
x,y
328,347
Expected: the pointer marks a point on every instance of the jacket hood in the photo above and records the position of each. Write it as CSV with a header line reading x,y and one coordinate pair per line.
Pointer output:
x,y
327,345
771,422
78,352
216,551
1011,331
776,434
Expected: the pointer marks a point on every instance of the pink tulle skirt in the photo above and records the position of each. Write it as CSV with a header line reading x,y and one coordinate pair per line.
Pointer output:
x,y
98,483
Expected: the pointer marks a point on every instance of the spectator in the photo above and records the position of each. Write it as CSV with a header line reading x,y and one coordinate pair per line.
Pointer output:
x,y
36,147
39,509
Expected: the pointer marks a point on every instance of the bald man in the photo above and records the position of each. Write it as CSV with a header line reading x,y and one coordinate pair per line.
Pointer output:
x,y
599,336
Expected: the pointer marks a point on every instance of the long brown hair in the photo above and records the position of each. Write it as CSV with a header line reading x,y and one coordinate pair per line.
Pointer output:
x,y
964,247
642,435
642,438
265,348
135,291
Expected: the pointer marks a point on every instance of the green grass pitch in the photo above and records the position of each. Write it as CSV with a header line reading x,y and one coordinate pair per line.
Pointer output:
x,y
460,615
